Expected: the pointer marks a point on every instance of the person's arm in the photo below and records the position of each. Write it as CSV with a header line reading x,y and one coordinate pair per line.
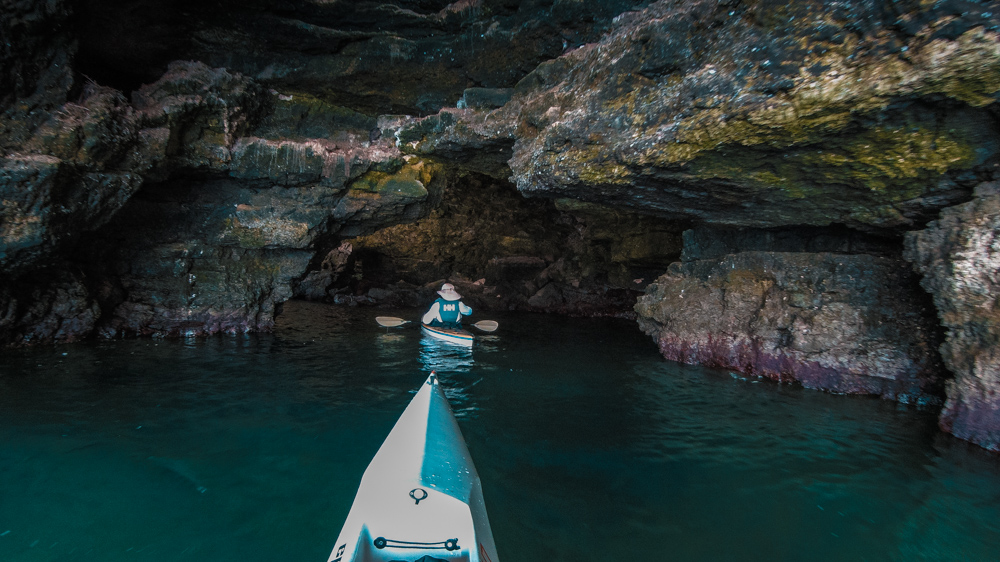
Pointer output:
x,y
433,314
463,309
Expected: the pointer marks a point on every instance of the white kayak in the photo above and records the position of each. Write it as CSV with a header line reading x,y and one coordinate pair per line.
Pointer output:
x,y
452,335
420,498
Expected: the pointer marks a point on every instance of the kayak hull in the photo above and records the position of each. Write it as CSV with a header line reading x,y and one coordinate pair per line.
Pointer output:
x,y
458,337
420,497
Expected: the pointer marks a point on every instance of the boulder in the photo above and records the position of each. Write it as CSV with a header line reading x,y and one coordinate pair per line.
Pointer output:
x,y
959,258
850,324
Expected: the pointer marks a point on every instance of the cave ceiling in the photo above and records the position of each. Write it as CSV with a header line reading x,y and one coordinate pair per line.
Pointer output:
x,y
374,57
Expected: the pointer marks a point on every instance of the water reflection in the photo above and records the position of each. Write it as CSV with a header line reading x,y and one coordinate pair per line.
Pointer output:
x,y
393,349
443,357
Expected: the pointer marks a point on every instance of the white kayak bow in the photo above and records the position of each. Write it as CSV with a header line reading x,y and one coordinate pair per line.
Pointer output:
x,y
420,498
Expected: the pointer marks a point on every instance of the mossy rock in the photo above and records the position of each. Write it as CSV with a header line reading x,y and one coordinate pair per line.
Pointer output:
x,y
410,181
301,115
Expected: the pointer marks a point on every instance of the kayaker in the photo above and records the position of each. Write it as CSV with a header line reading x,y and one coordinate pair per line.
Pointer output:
x,y
447,311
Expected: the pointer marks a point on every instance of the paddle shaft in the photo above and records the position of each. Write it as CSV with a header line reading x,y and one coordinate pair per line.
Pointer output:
x,y
393,322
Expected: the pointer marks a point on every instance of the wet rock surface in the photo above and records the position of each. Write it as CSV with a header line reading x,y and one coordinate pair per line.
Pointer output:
x,y
959,259
851,324
72,175
50,305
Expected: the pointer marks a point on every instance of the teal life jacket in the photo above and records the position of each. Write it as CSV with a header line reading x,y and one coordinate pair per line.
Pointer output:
x,y
449,312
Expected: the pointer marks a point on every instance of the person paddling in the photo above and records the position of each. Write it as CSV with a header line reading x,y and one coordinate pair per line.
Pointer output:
x,y
447,311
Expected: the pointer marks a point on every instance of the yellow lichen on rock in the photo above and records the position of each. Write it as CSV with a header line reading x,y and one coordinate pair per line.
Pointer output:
x,y
411,180
255,231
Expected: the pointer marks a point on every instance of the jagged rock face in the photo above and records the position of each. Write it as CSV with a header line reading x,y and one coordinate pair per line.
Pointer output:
x,y
302,173
869,114
233,198
35,64
73,174
959,257
198,257
49,305
846,323
89,156
191,255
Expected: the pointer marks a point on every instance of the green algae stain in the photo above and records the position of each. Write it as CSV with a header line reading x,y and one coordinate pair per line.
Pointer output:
x,y
885,158
245,237
410,181
592,164
604,174
298,114
971,69
967,70
892,164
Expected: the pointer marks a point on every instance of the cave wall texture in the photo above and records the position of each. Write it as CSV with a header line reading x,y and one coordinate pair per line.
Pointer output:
x,y
799,190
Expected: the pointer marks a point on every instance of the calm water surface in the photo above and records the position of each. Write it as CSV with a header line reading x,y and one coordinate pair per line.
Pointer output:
x,y
589,445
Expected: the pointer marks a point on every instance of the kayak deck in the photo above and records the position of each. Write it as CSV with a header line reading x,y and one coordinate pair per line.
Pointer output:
x,y
420,495
456,336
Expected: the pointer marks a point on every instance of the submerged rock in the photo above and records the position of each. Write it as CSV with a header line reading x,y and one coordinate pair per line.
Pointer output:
x,y
959,258
851,324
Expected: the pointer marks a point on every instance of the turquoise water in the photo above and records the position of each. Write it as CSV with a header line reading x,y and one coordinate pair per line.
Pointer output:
x,y
589,445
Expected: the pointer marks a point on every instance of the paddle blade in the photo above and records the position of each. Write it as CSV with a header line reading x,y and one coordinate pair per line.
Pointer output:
x,y
487,325
390,322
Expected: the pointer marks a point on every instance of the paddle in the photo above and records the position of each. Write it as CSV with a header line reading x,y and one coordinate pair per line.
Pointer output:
x,y
392,322
487,325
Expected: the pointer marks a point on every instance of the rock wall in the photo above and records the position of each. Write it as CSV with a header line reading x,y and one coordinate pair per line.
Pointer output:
x,y
959,258
225,221
392,56
35,64
845,323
